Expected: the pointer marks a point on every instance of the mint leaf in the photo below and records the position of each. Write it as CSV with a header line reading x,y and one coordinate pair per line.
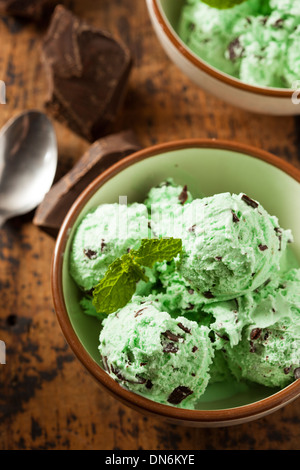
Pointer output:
x,y
118,285
222,4
157,249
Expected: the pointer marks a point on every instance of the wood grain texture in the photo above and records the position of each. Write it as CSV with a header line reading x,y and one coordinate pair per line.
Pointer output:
x,y
47,399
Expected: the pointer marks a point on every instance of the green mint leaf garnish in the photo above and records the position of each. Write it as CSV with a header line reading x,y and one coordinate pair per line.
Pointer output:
x,y
222,4
118,285
157,249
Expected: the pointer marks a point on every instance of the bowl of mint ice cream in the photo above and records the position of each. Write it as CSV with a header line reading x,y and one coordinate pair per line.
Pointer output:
x,y
178,286
246,54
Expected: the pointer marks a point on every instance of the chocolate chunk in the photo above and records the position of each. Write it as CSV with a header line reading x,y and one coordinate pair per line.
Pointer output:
x,y
208,294
184,328
139,312
90,254
287,370
170,348
105,363
171,336
192,228
149,384
98,157
235,49
266,336
279,235
255,333
218,258
88,72
35,10
190,307
183,196
194,349
235,218
179,394
139,381
278,23
262,247
249,201
225,337
297,373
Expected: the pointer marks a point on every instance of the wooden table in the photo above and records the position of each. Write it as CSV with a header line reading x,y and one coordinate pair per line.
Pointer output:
x,y
47,399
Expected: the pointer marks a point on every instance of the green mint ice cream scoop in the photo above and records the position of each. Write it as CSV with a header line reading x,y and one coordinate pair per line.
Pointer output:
x,y
150,353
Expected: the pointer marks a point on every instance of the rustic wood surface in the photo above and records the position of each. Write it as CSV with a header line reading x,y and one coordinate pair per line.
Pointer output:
x,y
47,399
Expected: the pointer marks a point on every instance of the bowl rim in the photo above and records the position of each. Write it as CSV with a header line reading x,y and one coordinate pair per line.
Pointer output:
x,y
205,67
240,413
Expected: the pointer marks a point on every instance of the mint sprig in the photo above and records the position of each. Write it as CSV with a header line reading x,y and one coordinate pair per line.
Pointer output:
x,y
118,285
222,4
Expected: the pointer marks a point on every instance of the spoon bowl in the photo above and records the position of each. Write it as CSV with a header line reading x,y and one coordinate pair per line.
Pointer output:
x,y
28,161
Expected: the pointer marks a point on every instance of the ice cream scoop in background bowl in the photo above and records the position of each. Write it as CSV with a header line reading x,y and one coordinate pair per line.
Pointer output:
x,y
164,15
207,167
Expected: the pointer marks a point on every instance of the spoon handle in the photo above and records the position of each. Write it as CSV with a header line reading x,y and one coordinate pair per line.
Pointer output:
x,y
2,220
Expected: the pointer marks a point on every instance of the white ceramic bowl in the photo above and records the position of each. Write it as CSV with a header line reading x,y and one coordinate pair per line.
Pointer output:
x,y
207,167
164,16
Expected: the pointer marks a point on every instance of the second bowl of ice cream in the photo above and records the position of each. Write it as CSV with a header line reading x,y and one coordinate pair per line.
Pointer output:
x,y
247,55
176,282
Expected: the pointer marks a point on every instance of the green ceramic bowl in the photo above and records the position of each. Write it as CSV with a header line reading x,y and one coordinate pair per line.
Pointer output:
x,y
207,167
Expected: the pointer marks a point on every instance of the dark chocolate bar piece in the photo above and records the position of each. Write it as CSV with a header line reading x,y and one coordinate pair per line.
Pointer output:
x,y
100,155
35,10
88,72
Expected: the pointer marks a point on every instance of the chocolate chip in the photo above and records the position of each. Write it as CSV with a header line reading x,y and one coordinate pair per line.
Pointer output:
x,y
249,201
149,384
235,218
252,347
179,394
235,49
287,370
262,247
266,336
105,363
297,373
171,336
140,380
194,349
170,348
218,258
192,228
103,245
225,337
278,23
91,254
208,294
183,196
139,312
279,234
190,307
184,328
191,291
255,333
142,364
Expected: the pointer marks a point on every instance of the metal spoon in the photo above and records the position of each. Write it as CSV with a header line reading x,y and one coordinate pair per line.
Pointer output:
x,y
28,161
